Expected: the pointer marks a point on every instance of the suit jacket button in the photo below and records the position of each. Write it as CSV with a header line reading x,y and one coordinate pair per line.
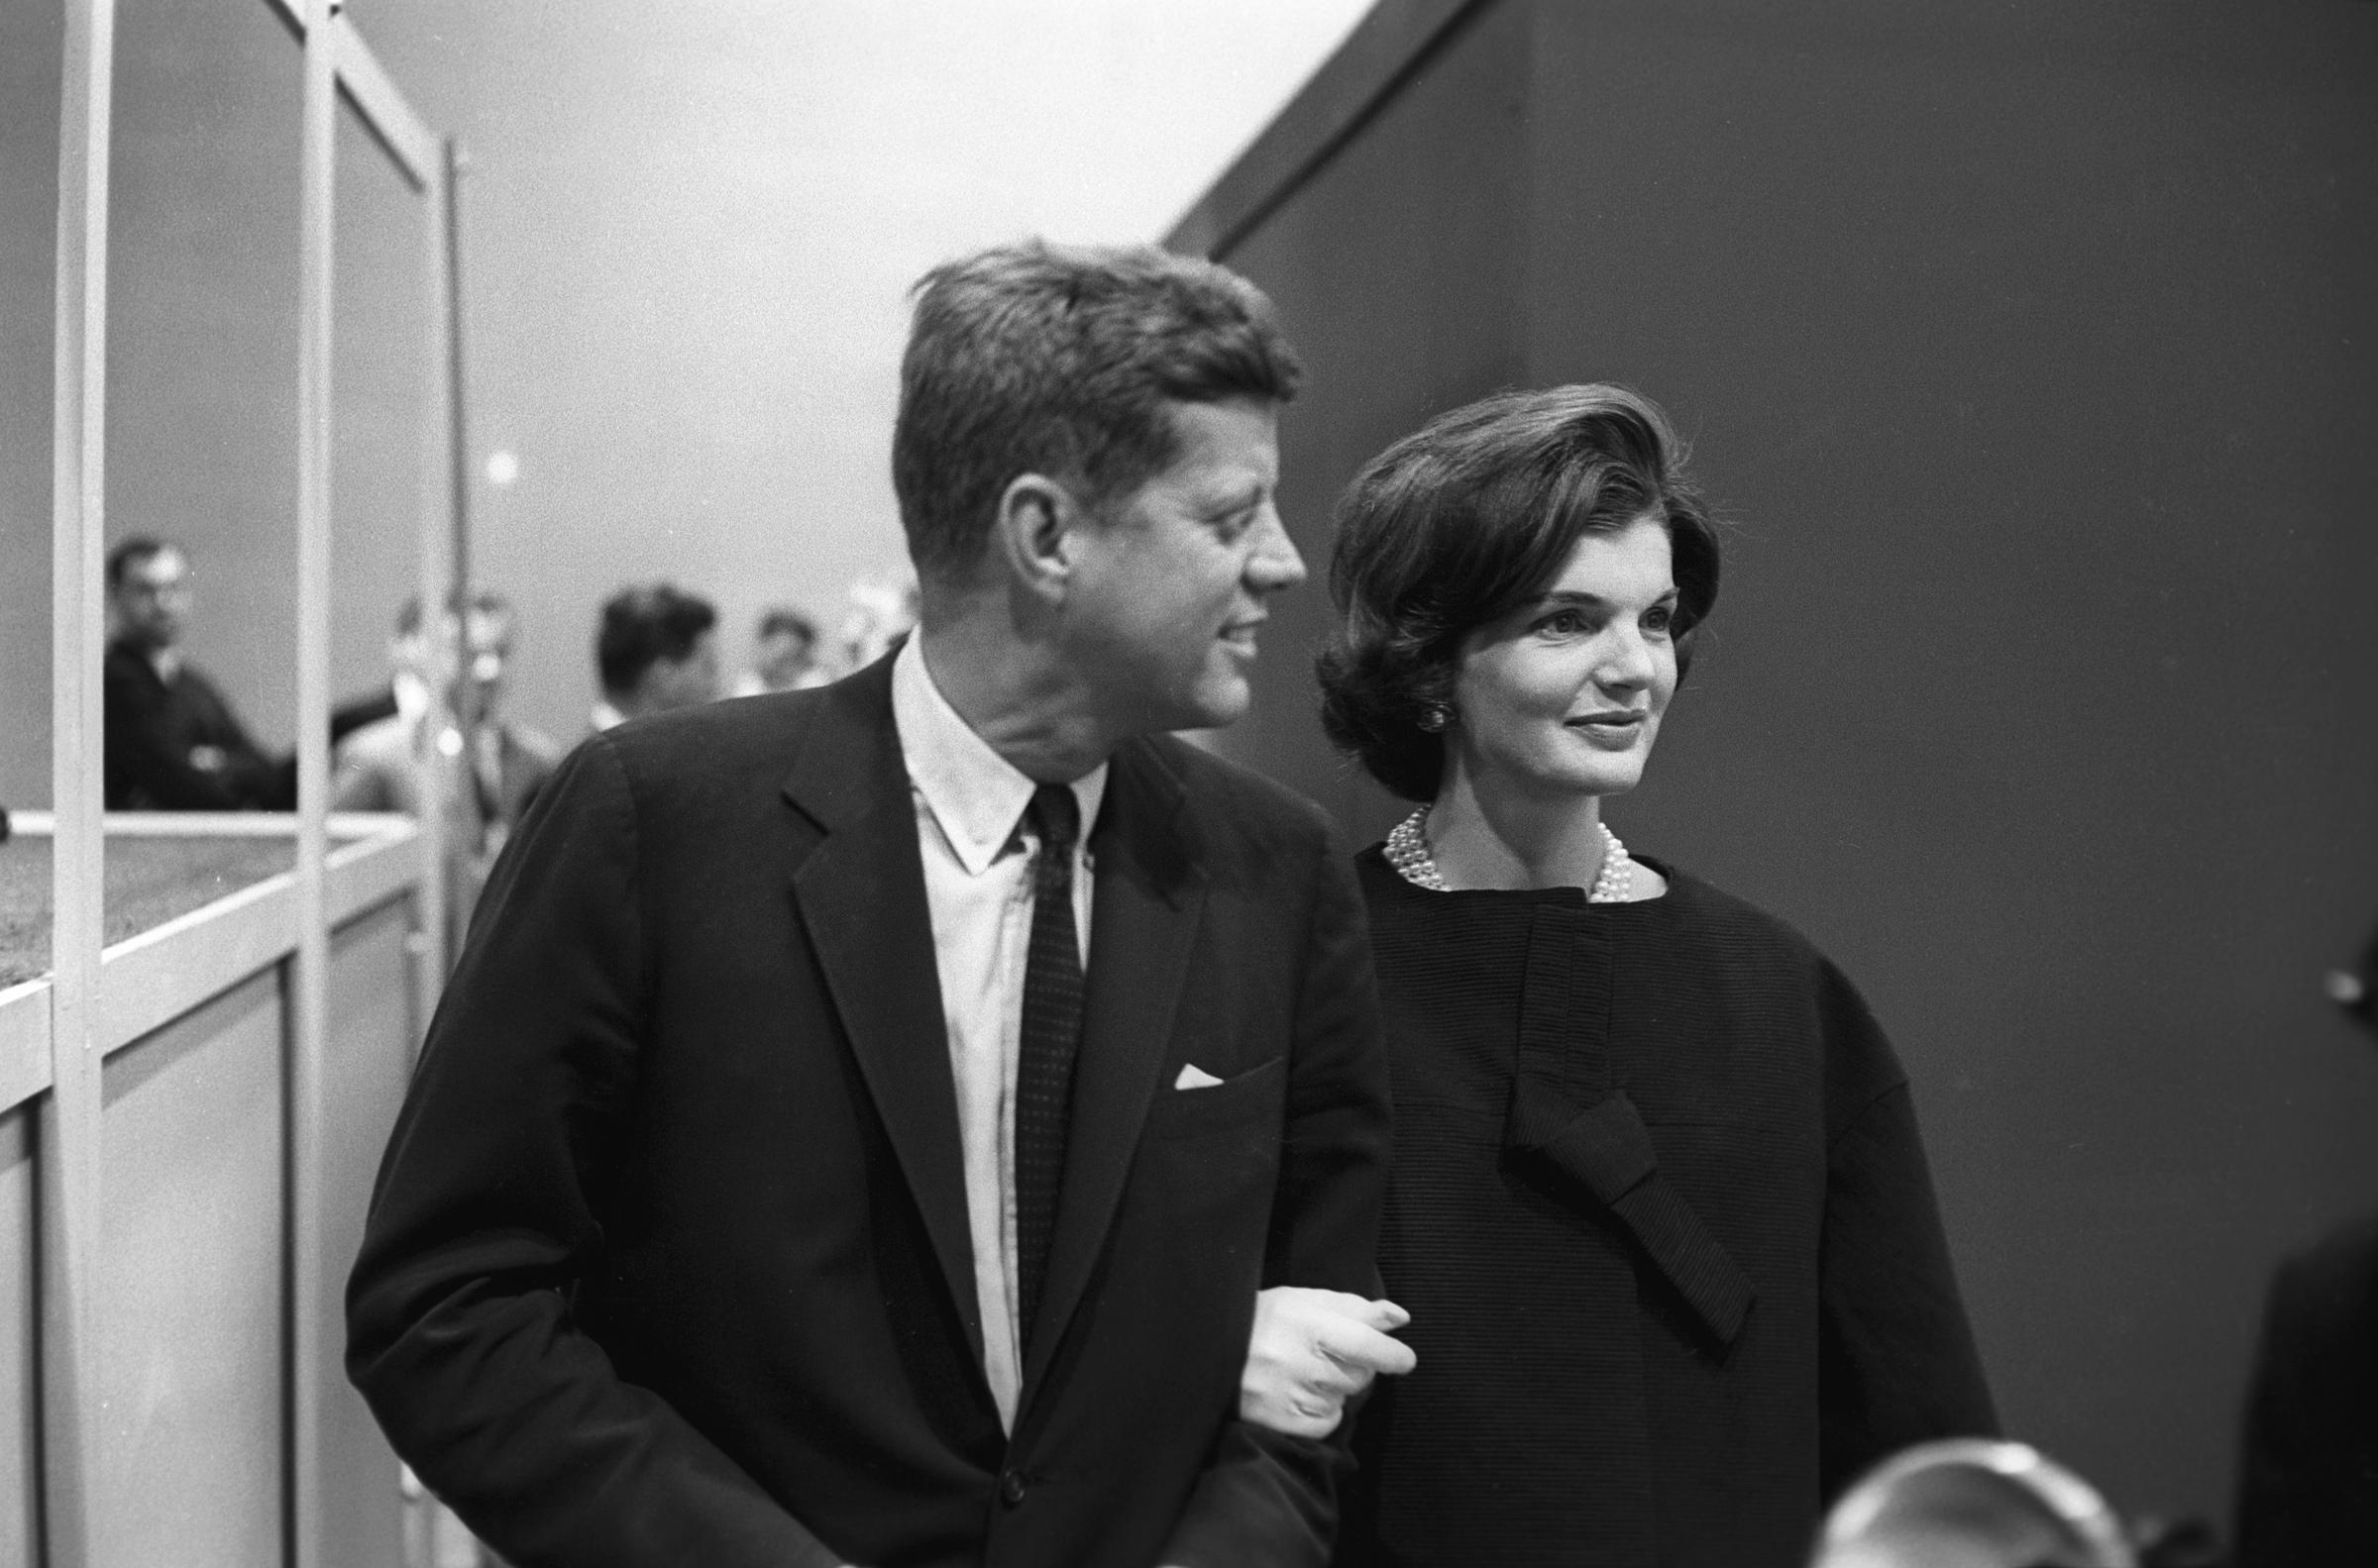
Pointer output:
x,y
1012,1488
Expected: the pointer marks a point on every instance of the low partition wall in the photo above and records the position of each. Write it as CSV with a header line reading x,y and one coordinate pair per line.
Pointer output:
x,y
195,1337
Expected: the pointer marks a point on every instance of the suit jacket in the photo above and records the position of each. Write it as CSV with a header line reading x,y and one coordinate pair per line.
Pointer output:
x,y
380,770
2308,1473
154,726
669,1257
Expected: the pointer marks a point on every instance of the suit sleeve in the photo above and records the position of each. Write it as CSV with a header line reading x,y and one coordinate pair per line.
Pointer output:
x,y
461,1331
1896,1360
1267,1499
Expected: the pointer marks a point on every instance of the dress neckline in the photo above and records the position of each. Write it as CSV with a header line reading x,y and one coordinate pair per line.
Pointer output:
x,y
1374,863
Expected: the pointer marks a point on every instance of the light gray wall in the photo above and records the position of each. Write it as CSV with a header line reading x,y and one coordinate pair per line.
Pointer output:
x,y
202,357
29,35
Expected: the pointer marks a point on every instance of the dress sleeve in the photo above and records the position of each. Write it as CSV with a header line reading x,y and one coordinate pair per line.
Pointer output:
x,y
1898,1363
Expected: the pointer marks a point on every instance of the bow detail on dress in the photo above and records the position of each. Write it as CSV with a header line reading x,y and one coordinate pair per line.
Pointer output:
x,y
1568,1117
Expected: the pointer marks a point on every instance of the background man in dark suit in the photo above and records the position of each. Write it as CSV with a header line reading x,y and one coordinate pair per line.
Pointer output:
x,y
173,742
862,1118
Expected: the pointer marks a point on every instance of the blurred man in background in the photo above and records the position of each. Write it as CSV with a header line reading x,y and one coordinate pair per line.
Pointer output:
x,y
173,741
879,610
657,649
503,762
786,656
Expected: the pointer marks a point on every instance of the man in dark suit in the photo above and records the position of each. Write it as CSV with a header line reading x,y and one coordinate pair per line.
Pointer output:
x,y
862,1118
173,742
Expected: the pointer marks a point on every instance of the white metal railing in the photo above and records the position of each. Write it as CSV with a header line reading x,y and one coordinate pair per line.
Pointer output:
x,y
91,994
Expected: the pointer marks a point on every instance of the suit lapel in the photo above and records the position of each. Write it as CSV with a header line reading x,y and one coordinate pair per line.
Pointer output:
x,y
861,893
1148,897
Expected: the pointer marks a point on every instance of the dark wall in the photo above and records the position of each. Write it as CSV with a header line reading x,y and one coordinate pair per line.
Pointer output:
x,y
2028,346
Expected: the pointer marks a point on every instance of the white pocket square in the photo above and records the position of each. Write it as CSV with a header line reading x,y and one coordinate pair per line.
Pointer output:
x,y
1195,1076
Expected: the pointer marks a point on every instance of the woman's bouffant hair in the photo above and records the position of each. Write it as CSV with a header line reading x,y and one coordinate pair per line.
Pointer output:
x,y
1470,517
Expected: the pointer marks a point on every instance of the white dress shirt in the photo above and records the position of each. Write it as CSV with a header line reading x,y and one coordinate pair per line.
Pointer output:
x,y
978,886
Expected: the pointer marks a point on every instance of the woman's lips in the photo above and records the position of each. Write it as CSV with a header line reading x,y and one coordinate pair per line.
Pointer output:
x,y
1617,731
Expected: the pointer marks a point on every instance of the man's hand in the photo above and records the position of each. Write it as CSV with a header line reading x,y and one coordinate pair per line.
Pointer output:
x,y
1313,1350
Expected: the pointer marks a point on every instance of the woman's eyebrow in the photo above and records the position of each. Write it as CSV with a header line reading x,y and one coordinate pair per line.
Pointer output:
x,y
1578,596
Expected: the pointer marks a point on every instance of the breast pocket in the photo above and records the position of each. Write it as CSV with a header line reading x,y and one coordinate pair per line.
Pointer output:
x,y
1249,1102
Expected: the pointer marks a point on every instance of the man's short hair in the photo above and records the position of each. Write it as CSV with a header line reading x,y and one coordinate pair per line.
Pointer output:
x,y
129,553
1059,361
641,627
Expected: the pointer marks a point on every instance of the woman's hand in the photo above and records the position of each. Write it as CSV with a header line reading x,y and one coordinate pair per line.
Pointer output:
x,y
1313,1350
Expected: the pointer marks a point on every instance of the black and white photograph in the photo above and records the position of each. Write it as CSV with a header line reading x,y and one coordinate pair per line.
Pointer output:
x,y
1129,783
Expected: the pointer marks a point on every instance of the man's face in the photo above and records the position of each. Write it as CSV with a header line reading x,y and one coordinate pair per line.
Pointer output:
x,y
477,670
1167,591
152,602
683,683
487,655
784,657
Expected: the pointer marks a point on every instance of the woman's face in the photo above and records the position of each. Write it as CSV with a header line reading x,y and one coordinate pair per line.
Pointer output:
x,y
1563,695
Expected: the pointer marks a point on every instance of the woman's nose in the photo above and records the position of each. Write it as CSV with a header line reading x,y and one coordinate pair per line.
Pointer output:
x,y
1626,665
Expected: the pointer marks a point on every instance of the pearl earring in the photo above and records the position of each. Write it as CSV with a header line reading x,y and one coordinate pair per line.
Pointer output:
x,y
1434,717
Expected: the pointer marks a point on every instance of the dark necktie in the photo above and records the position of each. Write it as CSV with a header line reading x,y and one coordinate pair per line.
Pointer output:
x,y
1052,1027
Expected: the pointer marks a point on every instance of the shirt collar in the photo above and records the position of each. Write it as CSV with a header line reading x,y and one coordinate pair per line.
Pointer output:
x,y
975,795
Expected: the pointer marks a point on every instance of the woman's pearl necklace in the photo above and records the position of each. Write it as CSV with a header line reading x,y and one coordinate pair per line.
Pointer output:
x,y
1408,853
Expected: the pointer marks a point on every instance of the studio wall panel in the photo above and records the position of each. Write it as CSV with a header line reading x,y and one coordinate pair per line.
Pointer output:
x,y
193,1338
20,1360
1426,309
370,1045
2026,350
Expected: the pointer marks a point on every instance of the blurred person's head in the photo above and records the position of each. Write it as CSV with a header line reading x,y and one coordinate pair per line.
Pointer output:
x,y
877,612
485,635
657,649
148,593
1520,582
786,650
1085,458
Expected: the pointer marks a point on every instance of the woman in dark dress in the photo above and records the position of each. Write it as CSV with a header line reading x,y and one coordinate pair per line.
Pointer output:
x,y
1659,1211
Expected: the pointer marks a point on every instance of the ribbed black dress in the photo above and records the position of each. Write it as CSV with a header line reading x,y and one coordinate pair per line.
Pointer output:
x,y
1662,1220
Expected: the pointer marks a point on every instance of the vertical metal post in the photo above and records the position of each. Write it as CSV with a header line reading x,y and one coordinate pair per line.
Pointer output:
x,y
433,587
309,1303
68,1170
460,448
468,861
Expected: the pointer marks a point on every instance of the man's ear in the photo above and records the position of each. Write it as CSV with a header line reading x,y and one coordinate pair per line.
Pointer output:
x,y
1035,532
